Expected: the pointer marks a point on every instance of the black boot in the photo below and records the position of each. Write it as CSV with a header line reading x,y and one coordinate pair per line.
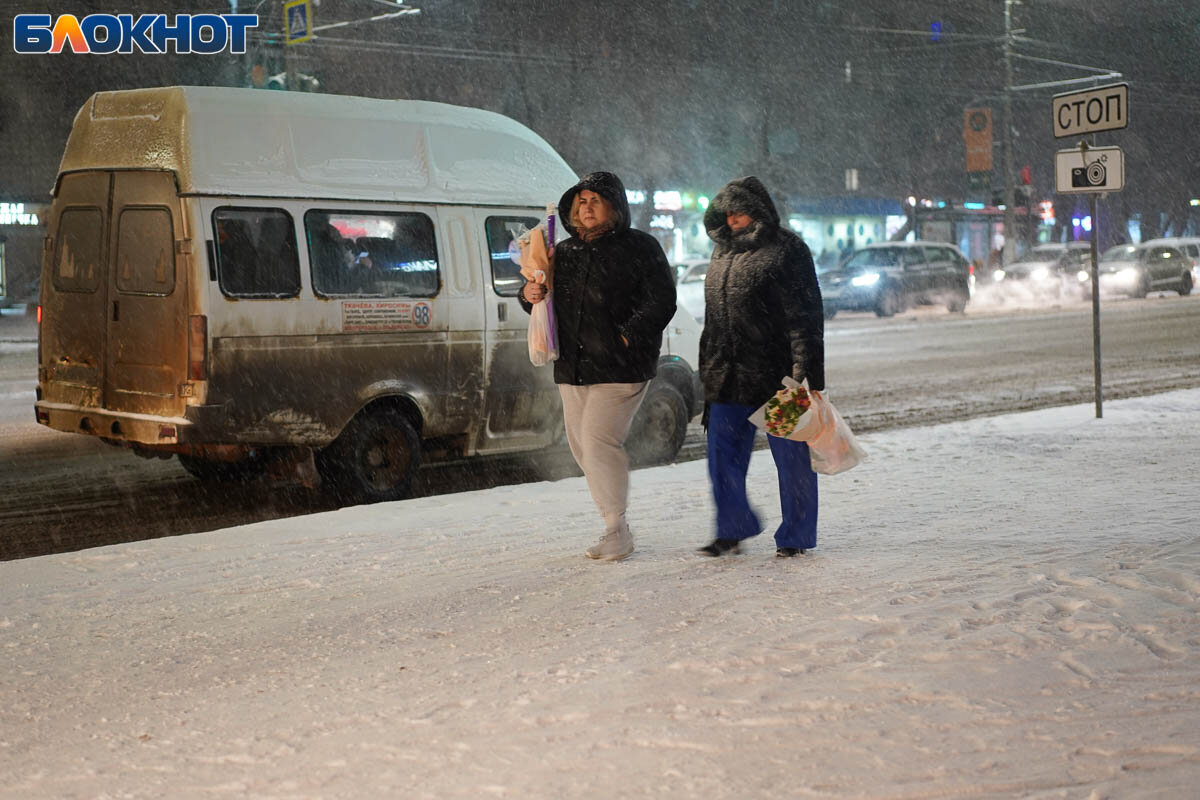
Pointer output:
x,y
721,547
789,552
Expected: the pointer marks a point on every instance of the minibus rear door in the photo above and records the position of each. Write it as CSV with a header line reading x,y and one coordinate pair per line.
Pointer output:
x,y
75,291
147,327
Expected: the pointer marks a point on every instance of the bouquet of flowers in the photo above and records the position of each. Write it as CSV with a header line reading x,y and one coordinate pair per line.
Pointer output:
x,y
791,413
537,264
797,413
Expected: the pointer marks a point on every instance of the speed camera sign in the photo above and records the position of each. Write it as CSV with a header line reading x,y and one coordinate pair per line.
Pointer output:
x,y
1096,169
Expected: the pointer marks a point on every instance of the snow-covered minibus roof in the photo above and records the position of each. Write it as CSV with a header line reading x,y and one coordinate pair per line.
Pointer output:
x,y
262,143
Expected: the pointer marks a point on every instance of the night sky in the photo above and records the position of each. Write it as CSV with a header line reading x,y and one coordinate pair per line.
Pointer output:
x,y
690,93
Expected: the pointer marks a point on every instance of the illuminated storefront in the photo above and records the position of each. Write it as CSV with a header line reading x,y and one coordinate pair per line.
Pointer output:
x,y
676,219
833,227
21,234
978,229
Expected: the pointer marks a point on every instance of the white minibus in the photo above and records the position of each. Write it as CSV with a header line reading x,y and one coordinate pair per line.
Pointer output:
x,y
245,278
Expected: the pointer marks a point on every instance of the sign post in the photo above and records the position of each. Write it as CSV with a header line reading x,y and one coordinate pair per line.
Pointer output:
x,y
1091,171
297,29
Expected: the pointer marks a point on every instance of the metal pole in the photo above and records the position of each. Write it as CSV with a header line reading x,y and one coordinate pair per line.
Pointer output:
x,y
289,58
1010,219
1095,297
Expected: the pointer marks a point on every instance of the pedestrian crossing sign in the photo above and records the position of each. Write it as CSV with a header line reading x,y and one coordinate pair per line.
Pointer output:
x,y
297,21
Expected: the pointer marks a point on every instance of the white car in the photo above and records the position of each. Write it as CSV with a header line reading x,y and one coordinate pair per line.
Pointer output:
x,y
1048,272
1190,246
1154,266
689,290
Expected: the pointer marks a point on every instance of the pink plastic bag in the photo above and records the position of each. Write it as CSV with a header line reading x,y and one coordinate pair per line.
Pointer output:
x,y
834,449
537,265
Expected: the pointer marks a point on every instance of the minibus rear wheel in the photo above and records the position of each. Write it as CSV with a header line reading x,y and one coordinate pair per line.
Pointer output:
x,y
375,459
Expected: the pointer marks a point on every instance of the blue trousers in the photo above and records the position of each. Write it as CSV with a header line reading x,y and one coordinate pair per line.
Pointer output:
x,y
730,442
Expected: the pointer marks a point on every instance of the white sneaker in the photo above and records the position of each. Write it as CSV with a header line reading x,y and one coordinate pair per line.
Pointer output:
x,y
613,545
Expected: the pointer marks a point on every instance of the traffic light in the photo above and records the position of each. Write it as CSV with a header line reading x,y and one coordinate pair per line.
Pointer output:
x,y
1021,196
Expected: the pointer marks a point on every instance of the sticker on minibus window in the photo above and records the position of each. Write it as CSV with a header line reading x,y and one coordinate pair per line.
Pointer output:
x,y
381,316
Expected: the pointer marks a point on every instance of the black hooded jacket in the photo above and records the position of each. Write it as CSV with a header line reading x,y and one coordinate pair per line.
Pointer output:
x,y
619,284
762,305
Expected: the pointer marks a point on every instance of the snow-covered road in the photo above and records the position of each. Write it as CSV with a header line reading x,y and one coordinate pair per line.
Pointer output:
x,y
66,492
1002,607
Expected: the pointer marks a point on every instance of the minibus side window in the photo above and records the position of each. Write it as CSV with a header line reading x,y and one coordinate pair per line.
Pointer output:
x,y
256,252
502,233
145,252
367,254
77,251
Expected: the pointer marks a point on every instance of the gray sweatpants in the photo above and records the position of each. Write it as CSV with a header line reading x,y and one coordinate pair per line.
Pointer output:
x,y
597,419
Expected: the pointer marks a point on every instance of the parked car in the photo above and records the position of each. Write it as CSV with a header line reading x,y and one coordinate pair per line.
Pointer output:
x,y
888,277
689,290
1135,270
683,266
1053,271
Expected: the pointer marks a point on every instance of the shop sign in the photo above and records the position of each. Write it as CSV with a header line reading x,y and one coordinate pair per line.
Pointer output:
x,y
15,214
668,201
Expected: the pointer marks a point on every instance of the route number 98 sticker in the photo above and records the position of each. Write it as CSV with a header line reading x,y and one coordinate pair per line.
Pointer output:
x,y
382,316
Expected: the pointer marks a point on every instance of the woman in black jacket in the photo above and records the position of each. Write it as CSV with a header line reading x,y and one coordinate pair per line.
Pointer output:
x,y
762,320
614,294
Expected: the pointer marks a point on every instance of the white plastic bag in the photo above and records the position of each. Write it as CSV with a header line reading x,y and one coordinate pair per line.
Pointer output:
x,y
834,449
543,342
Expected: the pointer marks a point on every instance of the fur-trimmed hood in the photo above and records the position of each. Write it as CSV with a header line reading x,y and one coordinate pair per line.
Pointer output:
x,y
741,196
608,186
763,313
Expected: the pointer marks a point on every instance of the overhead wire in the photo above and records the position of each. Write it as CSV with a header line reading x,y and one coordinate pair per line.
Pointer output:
x,y
953,43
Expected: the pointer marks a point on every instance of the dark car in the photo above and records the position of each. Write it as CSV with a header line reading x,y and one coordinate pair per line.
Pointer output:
x,y
1136,270
888,277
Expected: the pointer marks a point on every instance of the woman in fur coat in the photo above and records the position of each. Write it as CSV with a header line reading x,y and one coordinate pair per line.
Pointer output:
x,y
763,320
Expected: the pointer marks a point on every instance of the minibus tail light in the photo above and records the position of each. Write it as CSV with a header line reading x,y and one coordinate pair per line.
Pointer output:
x,y
198,347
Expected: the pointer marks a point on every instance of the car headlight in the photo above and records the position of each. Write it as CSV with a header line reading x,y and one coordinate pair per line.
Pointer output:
x,y
1039,274
866,279
998,275
1128,274
1083,276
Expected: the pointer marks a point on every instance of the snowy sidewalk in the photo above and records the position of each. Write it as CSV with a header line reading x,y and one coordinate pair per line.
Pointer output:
x,y
1003,607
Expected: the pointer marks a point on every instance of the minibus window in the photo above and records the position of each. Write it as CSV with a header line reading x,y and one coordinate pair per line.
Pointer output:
x,y
145,252
364,254
502,232
256,252
77,250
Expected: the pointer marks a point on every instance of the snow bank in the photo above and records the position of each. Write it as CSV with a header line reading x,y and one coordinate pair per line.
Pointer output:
x,y
1003,607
